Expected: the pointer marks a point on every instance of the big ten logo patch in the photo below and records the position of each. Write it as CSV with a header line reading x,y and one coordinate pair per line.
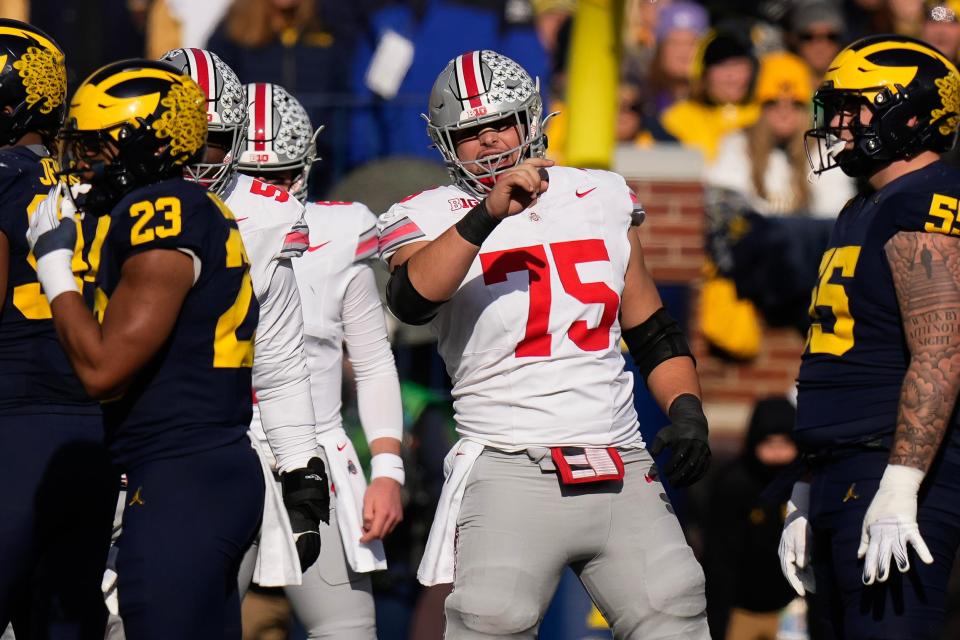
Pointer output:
x,y
456,204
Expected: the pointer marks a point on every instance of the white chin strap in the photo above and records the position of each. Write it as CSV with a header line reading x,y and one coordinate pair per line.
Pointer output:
x,y
834,146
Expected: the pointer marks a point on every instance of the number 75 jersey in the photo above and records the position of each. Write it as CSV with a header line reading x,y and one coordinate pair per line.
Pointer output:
x,y
531,338
856,355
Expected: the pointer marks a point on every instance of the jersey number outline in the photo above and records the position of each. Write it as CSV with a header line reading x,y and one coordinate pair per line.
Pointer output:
x,y
233,340
144,211
833,296
537,341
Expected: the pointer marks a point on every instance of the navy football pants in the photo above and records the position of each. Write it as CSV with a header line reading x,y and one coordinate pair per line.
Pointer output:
x,y
57,491
186,525
910,605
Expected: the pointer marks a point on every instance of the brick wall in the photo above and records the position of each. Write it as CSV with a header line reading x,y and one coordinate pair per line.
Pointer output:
x,y
672,241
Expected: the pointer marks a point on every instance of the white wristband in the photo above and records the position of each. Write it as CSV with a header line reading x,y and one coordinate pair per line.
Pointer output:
x,y
54,271
387,465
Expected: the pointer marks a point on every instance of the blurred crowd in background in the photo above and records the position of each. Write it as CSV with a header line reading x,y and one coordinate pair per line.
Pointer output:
x,y
731,79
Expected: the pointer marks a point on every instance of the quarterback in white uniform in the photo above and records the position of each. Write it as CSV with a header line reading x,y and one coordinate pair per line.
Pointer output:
x,y
530,274
341,308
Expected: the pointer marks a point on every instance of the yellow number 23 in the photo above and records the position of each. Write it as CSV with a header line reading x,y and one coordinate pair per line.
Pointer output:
x,y
143,231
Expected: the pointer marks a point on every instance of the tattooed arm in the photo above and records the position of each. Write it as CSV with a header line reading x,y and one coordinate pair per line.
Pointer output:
x,y
926,274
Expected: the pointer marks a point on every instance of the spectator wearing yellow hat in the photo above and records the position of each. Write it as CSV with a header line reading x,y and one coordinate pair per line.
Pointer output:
x,y
767,162
942,26
721,102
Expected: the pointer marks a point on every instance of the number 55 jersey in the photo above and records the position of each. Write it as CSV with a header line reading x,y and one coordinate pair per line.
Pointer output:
x,y
194,394
531,338
856,355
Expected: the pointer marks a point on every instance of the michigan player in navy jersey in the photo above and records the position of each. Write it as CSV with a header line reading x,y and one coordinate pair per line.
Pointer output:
x,y
56,480
880,374
168,349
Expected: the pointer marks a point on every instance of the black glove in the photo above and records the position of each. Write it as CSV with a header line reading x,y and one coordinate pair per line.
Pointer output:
x,y
687,438
306,495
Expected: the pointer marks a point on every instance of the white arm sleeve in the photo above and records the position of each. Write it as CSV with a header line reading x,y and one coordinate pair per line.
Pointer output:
x,y
280,376
365,334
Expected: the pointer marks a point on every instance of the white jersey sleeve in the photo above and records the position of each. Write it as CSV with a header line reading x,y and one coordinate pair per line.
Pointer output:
x,y
280,376
335,286
272,228
368,348
531,337
422,216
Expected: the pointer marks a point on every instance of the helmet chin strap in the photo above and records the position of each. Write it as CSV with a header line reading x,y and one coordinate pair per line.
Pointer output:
x,y
835,145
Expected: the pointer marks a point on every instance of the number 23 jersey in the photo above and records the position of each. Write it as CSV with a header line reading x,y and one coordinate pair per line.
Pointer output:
x,y
194,394
856,355
531,338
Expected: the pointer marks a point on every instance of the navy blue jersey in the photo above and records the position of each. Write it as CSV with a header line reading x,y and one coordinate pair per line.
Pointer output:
x,y
194,394
856,355
35,375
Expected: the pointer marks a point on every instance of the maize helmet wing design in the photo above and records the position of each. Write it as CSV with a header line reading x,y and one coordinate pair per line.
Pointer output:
x,y
279,137
132,123
226,103
33,82
477,88
911,91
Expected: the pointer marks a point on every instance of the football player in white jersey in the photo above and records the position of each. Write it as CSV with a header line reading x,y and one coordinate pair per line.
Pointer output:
x,y
341,308
530,274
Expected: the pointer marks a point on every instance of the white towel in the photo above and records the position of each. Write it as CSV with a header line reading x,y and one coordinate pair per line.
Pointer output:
x,y
438,558
278,564
350,486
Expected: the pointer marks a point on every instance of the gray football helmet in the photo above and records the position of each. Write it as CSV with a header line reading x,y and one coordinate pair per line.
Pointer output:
x,y
476,88
226,112
279,136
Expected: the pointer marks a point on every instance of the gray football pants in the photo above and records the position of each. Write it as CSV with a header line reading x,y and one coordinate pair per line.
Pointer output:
x,y
333,601
518,528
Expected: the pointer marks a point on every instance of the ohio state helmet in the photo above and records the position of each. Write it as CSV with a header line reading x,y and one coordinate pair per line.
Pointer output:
x,y
476,88
279,136
226,111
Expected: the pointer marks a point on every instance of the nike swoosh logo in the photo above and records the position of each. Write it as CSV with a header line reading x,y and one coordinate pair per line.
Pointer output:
x,y
341,447
581,194
318,246
242,219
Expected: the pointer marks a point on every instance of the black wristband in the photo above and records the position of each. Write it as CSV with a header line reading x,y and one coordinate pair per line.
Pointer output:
x,y
477,224
687,407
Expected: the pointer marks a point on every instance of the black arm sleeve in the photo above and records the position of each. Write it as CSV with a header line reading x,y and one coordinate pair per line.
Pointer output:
x,y
405,301
656,339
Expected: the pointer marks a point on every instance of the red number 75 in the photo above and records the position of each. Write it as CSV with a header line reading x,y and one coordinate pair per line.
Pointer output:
x,y
566,255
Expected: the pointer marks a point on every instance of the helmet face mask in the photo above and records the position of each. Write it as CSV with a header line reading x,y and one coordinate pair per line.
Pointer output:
x,y
475,90
227,116
280,145
911,93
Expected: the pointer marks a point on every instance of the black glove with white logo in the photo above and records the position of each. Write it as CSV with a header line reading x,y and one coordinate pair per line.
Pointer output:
x,y
306,495
687,438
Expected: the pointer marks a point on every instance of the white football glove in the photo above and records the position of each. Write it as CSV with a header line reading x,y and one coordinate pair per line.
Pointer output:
x,y
796,541
52,236
890,525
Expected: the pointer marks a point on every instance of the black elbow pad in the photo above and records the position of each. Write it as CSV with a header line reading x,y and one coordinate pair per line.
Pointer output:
x,y
405,301
656,339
